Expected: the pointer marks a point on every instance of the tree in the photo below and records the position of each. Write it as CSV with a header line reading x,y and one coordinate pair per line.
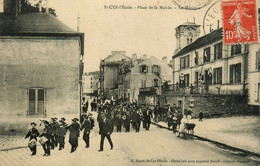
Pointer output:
x,y
27,7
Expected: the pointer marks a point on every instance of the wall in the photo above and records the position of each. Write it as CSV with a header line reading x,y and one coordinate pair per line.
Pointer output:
x,y
213,105
253,76
49,63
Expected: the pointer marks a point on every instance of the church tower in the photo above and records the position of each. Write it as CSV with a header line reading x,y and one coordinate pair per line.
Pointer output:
x,y
186,33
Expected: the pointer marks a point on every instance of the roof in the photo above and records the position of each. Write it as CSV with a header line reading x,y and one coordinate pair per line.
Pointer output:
x,y
33,23
37,24
188,24
202,41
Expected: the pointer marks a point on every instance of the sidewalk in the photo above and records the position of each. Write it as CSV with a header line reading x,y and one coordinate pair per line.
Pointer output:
x,y
238,132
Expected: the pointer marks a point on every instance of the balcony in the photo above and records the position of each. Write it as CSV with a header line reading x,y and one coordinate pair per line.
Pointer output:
x,y
149,91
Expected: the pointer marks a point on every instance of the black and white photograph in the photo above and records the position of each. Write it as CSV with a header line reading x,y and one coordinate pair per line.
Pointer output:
x,y
129,82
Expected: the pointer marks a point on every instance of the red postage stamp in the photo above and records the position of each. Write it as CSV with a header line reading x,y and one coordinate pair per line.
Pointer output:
x,y
240,21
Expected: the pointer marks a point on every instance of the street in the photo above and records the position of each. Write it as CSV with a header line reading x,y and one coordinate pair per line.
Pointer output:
x,y
155,147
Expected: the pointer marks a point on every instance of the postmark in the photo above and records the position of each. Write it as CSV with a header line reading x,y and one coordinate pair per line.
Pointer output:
x,y
239,22
212,19
191,4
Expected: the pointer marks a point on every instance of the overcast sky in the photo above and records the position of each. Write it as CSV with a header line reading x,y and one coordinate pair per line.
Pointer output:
x,y
150,32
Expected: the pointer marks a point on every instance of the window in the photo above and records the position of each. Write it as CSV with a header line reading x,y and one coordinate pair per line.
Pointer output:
x,y
218,51
186,80
143,83
206,55
196,78
36,101
143,69
217,75
235,49
185,62
196,59
258,60
156,82
235,73
156,69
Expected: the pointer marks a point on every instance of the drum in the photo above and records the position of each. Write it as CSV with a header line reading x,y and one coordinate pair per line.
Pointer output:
x,y
32,143
43,140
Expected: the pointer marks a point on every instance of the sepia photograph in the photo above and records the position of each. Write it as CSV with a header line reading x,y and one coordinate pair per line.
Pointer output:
x,y
129,82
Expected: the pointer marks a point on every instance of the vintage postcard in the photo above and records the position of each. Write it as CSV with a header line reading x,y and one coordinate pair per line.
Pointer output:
x,y
129,82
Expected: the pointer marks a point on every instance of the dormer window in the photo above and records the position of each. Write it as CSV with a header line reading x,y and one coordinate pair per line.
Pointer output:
x,y
143,69
156,69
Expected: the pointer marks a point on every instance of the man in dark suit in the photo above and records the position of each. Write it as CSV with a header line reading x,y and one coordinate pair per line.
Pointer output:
x,y
74,134
105,131
147,118
87,126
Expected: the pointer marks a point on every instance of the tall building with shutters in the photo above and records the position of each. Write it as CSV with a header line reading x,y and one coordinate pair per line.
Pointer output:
x,y
212,67
40,67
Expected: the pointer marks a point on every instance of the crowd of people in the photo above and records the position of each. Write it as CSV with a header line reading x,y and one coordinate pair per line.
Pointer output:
x,y
111,117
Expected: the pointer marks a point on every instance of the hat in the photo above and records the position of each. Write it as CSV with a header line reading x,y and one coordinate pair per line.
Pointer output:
x,y
54,118
33,123
63,119
45,122
75,119
90,114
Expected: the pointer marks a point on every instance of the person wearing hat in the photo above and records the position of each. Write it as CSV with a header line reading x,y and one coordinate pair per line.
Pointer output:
x,y
105,132
45,142
54,126
61,133
33,134
87,126
74,134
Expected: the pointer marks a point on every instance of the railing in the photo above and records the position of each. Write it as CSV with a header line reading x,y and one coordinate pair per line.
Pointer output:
x,y
184,89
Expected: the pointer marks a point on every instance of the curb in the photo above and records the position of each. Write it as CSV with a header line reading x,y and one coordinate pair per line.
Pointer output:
x,y
222,145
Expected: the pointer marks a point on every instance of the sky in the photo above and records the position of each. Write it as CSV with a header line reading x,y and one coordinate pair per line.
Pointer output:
x,y
141,31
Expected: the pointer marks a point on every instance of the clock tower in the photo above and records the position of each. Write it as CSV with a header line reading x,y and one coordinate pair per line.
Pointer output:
x,y
186,33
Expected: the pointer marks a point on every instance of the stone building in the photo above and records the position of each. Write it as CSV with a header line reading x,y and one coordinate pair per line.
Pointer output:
x,y
109,68
210,76
140,79
40,67
91,84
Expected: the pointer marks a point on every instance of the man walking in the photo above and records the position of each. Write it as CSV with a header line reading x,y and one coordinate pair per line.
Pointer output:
x,y
74,134
105,131
87,126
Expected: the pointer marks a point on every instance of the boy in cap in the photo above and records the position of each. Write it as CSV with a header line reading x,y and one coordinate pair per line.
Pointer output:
x,y
33,134
74,134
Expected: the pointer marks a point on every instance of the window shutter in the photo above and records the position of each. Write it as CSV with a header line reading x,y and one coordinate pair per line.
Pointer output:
x,y
231,74
239,72
220,76
140,69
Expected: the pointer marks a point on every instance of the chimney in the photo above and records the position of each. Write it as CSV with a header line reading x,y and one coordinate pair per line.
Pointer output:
x,y
144,57
218,23
12,7
194,19
164,59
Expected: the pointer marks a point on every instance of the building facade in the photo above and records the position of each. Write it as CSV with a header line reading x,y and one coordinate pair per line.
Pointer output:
x,y
40,67
109,69
91,83
207,65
